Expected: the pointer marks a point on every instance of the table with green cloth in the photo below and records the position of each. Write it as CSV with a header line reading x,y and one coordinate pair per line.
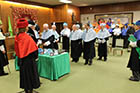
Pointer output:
x,y
52,67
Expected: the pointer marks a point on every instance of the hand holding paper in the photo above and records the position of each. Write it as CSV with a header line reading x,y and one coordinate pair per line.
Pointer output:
x,y
133,44
47,43
39,42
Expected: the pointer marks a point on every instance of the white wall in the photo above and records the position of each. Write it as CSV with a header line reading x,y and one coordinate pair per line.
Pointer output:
x,y
136,16
90,17
87,17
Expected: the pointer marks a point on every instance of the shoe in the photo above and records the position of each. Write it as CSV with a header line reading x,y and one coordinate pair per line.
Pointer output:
x,y
90,62
99,58
86,62
105,59
76,61
133,79
72,61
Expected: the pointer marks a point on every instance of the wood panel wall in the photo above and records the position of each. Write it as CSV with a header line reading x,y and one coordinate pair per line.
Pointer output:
x,y
61,14
76,12
44,15
121,7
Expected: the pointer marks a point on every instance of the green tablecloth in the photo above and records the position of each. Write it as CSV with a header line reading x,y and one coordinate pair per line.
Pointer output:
x,y
16,64
52,67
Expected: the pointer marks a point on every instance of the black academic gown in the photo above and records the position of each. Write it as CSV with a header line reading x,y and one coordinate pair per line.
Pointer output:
x,y
114,40
37,28
134,61
125,41
76,48
130,31
32,34
29,78
65,43
102,49
89,49
51,40
3,57
55,45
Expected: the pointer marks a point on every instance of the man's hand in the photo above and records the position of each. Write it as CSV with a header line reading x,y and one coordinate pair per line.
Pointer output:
x,y
133,44
3,52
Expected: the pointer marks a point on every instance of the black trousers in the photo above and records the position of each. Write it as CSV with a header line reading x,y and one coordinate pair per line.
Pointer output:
x,y
114,41
1,70
136,74
88,60
125,42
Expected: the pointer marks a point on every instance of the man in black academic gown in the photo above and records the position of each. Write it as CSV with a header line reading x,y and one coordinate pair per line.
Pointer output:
x,y
116,35
37,28
89,38
56,35
47,37
130,31
134,61
76,43
32,32
65,37
3,53
103,36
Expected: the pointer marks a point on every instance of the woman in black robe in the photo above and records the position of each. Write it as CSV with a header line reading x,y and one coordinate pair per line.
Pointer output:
x,y
134,61
26,50
89,38
3,53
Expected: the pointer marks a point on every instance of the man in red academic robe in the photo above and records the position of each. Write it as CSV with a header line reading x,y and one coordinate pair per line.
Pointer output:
x,y
26,50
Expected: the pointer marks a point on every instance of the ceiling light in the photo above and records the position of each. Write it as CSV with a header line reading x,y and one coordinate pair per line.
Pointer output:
x,y
106,15
12,2
17,3
65,1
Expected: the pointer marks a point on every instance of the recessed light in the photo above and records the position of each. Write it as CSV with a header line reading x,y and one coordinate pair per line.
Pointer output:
x,y
65,1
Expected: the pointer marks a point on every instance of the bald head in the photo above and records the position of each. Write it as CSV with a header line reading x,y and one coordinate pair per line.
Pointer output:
x,y
54,27
45,26
74,27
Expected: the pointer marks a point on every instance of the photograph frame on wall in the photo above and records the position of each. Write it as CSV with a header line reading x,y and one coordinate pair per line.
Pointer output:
x,y
124,17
